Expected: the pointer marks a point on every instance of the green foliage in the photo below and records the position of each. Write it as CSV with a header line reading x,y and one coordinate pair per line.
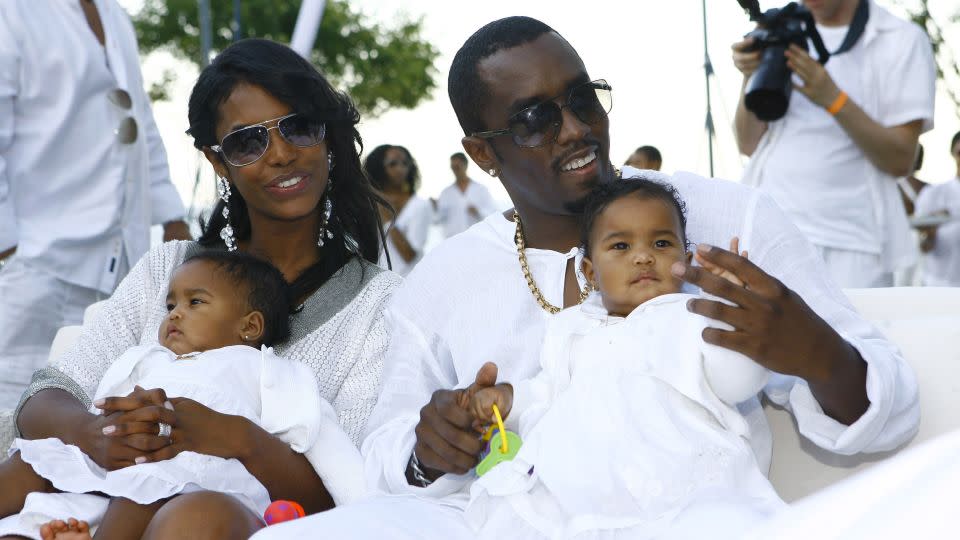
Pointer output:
x,y
380,67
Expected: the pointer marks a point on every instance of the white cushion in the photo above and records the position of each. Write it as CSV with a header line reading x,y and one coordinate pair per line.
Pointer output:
x,y
925,324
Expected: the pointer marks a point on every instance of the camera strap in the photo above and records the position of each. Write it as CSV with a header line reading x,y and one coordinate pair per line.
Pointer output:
x,y
857,27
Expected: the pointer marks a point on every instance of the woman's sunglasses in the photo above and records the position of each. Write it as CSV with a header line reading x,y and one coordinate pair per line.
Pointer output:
x,y
248,144
539,124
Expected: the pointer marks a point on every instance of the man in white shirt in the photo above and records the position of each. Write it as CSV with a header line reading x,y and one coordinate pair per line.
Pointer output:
x,y
83,172
941,243
523,97
850,130
463,203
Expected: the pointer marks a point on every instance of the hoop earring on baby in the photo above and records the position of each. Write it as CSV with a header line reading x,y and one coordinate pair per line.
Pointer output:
x,y
226,233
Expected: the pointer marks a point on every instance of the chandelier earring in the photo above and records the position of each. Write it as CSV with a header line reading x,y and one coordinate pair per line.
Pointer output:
x,y
325,232
226,233
329,160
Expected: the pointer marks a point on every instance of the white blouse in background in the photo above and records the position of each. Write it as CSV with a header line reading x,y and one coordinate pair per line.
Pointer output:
x,y
941,266
414,222
468,303
73,198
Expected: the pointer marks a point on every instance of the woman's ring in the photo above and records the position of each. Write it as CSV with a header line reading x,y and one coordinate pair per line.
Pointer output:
x,y
165,430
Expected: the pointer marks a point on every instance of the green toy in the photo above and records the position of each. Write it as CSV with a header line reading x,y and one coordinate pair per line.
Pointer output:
x,y
499,448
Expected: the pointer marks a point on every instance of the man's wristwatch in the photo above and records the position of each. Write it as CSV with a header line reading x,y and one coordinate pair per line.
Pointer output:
x,y
417,469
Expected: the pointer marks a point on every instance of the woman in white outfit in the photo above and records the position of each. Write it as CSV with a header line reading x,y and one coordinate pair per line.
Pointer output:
x,y
394,172
224,312
283,144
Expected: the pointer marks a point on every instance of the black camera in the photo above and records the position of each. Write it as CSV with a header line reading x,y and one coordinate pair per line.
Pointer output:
x,y
768,91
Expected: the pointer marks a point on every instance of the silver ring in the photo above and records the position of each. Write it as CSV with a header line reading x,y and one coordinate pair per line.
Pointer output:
x,y
165,430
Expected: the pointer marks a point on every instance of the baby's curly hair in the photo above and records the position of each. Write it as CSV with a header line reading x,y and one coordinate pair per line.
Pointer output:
x,y
603,195
265,288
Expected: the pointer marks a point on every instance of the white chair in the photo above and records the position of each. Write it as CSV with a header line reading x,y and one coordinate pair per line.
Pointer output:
x,y
924,322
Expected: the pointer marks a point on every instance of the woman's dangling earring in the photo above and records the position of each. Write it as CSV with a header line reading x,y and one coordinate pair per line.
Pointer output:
x,y
325,232
226,233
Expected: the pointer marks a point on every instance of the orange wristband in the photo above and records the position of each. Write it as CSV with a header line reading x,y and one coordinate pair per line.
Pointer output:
x,y
837,104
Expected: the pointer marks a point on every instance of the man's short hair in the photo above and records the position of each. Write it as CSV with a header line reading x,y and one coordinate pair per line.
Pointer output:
x,y
954,141
461,156
651,152
605,194
468,93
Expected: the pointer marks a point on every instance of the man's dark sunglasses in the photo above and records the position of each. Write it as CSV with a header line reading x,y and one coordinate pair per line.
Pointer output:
x,y
248,144
539,124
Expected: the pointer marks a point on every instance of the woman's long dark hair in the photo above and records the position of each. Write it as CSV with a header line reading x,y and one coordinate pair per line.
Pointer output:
x,y
355,224
376,168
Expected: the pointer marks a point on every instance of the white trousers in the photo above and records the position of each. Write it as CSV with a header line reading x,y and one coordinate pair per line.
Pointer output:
x,y
855,269
33,305
396,517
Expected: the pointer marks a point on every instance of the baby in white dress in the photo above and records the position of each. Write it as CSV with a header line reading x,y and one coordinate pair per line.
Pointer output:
x,y
225,310
631,429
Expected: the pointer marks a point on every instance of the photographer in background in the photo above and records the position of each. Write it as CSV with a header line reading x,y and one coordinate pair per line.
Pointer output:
x,y
850,130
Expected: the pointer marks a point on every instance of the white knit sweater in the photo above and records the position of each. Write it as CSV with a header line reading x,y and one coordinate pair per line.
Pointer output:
x,y
340,334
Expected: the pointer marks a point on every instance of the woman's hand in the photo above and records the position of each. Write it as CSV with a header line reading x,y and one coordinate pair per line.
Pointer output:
x,y
198,428
127,428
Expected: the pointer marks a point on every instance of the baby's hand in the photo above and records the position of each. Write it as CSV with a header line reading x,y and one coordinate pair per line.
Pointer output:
x,y
722,272
482,402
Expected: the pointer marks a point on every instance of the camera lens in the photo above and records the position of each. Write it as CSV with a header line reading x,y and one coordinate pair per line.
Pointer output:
x,y
768,91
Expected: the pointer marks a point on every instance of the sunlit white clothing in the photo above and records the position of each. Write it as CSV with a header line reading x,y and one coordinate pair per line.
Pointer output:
x,y
941,266
35,304
855,269
340,334
413,221
80,198
278,394
818,174
445,329
630,426
76,201
453,207
275,393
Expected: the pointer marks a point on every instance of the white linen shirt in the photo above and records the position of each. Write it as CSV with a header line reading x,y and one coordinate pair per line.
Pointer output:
x,y
452,207
815,171
76,201
941,267
468,303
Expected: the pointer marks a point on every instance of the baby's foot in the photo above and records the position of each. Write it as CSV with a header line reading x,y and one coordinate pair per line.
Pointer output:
x,y
69,530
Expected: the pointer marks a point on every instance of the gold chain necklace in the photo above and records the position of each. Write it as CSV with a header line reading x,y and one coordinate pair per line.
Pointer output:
x,y
521,246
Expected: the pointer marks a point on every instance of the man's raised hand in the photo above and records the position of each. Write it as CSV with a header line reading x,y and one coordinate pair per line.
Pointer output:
x,y
447,441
